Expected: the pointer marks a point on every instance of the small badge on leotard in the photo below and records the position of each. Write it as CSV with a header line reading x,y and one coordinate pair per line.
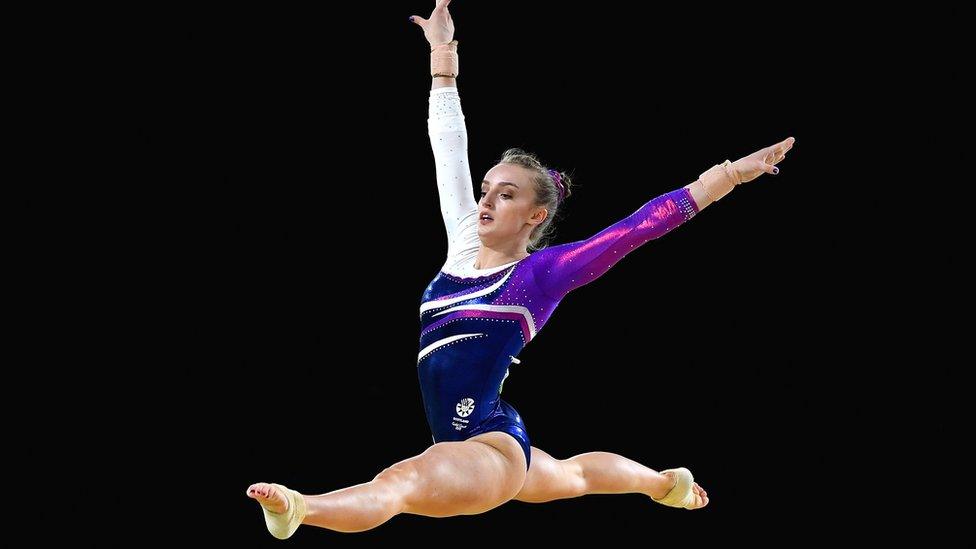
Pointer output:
x,y
465,407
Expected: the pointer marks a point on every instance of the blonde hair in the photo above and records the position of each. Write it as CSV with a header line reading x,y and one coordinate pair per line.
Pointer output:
x,y
547,192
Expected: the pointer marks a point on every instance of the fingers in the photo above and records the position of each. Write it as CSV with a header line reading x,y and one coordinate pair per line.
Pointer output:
x,y
772,157
776,153
768,167
441,3
784,145
418,20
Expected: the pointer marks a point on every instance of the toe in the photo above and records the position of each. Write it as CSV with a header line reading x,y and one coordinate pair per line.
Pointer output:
x,y
269,497
259,490
701,497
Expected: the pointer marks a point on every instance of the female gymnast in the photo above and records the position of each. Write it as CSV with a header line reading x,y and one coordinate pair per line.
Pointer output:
x,y
488,301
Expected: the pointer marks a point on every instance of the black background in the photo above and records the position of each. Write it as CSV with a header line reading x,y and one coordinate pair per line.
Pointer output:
x,y
289,162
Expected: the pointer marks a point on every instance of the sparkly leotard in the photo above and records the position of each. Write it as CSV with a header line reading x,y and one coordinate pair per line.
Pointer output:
x,y
474,322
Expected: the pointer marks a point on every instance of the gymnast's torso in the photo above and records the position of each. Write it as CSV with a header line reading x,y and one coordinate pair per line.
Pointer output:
x,y
474,322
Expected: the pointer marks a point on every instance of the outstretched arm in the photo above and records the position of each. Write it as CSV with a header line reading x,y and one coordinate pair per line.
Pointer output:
x,y
560,269
445,125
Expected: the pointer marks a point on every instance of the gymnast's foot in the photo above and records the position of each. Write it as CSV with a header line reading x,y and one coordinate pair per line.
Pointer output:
x,y
284,509
700,495
269,497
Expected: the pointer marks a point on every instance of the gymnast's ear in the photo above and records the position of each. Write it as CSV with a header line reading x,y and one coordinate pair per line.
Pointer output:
x,y
539,215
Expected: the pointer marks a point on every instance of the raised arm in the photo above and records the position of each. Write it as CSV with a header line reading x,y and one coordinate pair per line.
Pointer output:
x,y
445,122
449,142
560,269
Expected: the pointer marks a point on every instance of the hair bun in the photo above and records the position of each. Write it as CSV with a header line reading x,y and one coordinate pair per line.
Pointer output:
x,y
557,178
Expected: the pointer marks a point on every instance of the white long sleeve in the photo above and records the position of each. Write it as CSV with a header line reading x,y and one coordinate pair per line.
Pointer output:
x,y
449,142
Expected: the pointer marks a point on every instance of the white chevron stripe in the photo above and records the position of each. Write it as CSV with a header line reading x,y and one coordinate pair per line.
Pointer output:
x,y
441,343
445,302
500,308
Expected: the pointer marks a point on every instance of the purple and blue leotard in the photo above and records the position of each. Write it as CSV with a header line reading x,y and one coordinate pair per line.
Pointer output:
x,y
474,322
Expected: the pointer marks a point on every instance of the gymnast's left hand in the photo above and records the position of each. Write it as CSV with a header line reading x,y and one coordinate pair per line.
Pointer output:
x,y
762,161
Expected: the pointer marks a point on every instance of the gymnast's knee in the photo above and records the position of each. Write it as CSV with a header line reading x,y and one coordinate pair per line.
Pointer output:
x,y
398,474
575,478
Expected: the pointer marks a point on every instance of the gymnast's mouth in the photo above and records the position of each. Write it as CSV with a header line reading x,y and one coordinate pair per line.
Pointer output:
x,y
486,218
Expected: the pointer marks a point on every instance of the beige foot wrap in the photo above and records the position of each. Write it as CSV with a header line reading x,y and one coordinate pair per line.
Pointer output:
x,y
681,495
283,525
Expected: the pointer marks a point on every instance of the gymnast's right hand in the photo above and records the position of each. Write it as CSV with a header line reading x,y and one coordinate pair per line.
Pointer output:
x,y
439,29
762,161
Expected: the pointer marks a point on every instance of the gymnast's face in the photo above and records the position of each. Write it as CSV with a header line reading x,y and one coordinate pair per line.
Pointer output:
x,y
507,209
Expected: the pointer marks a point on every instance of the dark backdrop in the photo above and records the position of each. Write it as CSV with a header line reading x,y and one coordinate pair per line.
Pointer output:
x,y
293,153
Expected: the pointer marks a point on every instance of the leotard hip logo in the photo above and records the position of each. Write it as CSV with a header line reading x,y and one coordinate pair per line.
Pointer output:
x,y
465,407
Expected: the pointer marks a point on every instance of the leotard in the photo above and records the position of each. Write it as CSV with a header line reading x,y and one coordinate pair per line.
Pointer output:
x,y
474,322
